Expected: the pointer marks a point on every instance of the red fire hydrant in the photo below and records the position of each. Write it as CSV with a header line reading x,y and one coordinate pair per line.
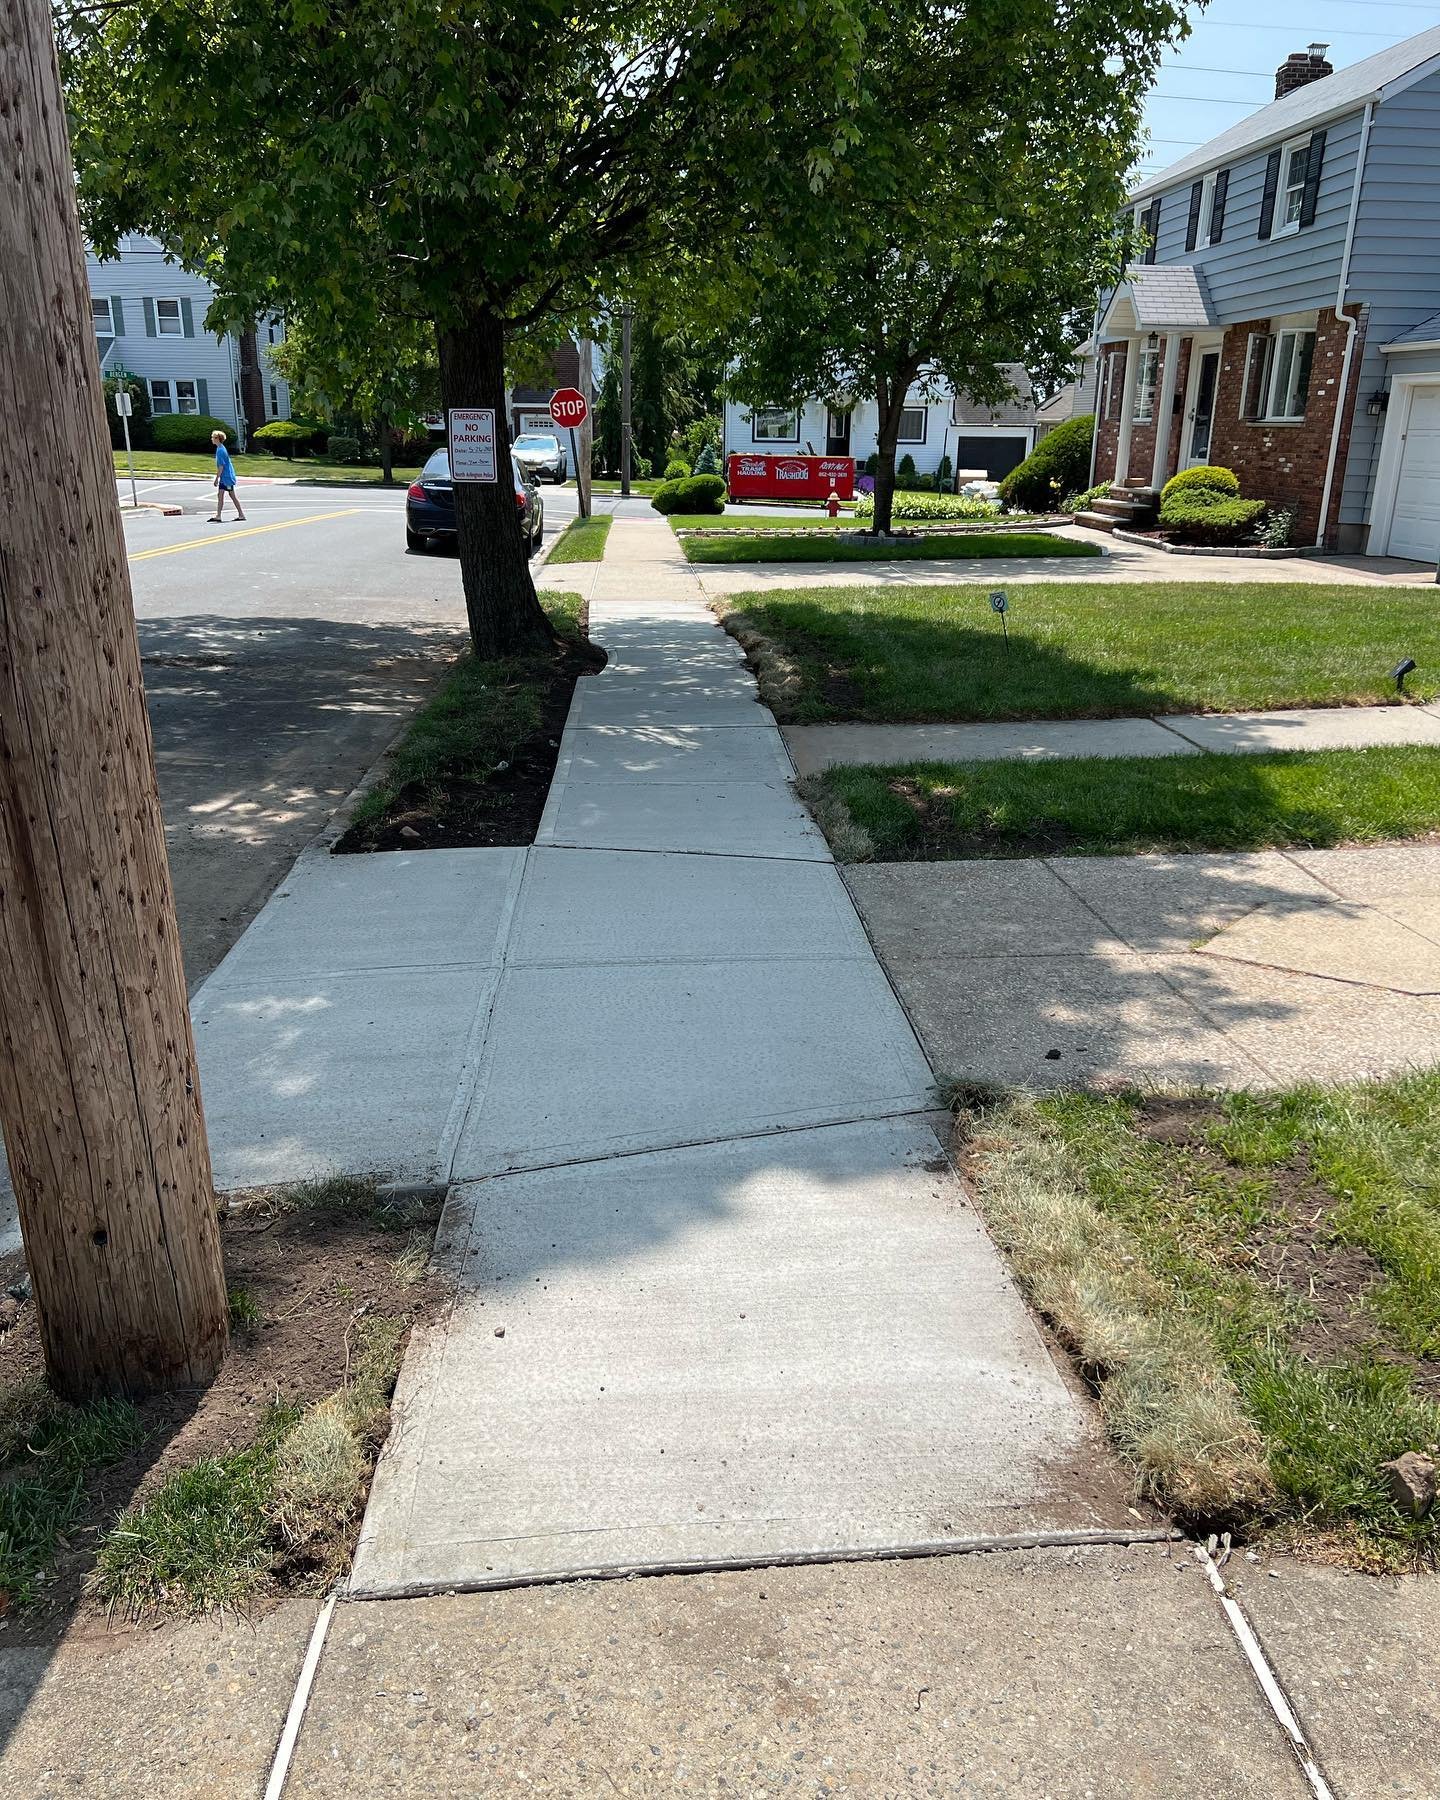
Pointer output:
x,y
832,505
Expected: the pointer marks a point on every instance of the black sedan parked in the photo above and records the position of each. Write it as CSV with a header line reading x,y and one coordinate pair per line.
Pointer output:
x,y
430,505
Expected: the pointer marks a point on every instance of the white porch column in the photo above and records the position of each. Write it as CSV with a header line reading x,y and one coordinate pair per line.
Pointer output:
x,y
1127,408
1164,409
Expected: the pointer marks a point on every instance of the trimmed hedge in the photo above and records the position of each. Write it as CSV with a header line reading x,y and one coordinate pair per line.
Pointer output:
x,y
344,449
185,431
677,469
692,494
1209,476
283,437
1057,467
1206,516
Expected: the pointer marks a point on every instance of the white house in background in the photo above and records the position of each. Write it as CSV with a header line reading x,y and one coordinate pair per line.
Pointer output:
x,y
1074,398
976,437
149,318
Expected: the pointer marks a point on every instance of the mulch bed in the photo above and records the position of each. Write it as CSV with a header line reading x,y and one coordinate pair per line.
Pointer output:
x,y
311,1277
502,809
1296,1251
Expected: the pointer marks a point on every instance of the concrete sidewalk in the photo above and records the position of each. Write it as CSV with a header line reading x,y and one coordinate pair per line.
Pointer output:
x,y
816,747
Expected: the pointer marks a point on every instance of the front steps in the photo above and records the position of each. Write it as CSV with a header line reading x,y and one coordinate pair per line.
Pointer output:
x,y
1132,505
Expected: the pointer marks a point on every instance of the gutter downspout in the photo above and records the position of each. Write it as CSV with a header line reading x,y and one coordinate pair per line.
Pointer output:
x,y
1351,321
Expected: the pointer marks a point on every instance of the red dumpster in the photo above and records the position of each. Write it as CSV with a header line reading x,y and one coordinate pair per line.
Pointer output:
x,y
752,475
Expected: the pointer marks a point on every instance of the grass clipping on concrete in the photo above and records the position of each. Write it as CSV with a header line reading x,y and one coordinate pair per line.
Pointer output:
x,y
1252,1284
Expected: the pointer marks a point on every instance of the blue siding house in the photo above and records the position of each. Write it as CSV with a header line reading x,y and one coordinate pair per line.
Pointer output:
x,y
1284,318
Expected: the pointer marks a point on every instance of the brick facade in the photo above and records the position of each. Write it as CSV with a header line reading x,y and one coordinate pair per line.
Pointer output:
x,y
1284,464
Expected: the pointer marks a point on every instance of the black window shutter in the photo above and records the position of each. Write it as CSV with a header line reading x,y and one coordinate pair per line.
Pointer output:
x,y
1152,228
1192,224
1312,178
1267,199
1217,206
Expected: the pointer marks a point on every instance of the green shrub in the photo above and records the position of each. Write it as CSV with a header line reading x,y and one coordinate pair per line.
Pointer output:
x,y
1204,516
1278,528
905,468
344,449
692,494
1083,502
872,463
944,475
708,461
284,437
185,431
1209,476
1057,467
930,506
676,469
699,436
140,438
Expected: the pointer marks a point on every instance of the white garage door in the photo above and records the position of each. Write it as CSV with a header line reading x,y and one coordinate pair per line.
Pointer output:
x,y
1415,524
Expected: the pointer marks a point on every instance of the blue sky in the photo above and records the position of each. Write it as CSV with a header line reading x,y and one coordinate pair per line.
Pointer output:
x,y
1226,68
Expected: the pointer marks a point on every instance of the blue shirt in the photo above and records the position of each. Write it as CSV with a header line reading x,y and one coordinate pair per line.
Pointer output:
x,y
225,466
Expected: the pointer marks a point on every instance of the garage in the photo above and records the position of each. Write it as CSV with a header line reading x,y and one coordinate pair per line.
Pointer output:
x,y
1415,516
996,452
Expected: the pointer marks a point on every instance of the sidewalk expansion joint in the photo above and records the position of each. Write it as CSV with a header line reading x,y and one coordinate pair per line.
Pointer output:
x,y
797,1559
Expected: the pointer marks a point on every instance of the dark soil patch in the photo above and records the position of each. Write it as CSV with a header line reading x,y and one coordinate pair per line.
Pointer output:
x,y
1297,1250
310,1277
501,808
842,692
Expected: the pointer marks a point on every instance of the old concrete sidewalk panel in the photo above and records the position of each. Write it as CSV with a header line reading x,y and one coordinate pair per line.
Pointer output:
x,y
793,1346
337,1034
1105,1672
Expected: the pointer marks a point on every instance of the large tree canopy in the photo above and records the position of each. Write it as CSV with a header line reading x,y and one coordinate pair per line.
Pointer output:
x,y
978,236
476,164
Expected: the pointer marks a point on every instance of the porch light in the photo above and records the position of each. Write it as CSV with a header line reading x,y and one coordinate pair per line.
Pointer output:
x,y
1377,403
1153,341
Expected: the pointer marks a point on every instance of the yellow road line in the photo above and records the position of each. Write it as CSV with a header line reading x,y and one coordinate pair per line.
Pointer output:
x,y
341,512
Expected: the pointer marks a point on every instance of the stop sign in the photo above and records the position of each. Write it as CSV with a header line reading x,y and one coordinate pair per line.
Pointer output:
x,y
568,406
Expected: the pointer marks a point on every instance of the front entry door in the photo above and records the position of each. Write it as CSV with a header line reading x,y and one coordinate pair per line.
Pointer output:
x,y
837,433
1202,415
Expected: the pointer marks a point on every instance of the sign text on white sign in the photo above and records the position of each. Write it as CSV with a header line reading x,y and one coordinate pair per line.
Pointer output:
x,y
472,443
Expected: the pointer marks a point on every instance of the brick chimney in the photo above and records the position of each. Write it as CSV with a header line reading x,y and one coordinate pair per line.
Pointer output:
x,y
1301,68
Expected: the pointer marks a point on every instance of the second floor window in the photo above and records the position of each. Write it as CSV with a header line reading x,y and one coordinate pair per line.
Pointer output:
x,y
167,318
100,313
1146,371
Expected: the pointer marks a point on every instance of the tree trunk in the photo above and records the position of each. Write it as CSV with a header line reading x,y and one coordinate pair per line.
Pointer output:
x,y
387,451
99,1096
504,614
889,405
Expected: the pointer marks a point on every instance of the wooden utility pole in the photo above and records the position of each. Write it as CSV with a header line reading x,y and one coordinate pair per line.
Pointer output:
x,y
99,1097
586,361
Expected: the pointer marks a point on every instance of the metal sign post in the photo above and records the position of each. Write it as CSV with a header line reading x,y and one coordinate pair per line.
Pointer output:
x,y
1000,604
569,409
124,406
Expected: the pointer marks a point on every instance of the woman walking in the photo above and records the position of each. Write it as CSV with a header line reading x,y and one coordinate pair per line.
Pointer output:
x,y
224,479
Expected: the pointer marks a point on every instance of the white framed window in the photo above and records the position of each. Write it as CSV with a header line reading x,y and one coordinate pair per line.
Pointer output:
x,y
1146,373
775,425
1207,211
168,322
1294,166
274,402
101,315
1277,375
174,397
912,425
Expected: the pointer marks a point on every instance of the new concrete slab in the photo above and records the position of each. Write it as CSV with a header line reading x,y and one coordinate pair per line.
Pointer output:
x,y
1066,1673
1364,872
816,747
1162,902
352,1072
594,906
787,1346
705,818
660,754
1344,940
600,1060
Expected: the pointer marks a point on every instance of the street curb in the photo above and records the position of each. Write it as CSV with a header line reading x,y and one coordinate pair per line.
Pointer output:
x,y
167,512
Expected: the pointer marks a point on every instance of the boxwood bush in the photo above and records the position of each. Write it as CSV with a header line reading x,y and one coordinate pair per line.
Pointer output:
x,y
284,437
185,431
691,494
676,469
344,449
1206,516
1209,476
1057,467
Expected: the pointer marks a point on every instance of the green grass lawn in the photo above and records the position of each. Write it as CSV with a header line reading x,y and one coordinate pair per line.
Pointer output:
x,y
802,546
1086,650
582,540
740,521
644,488
1252,1281
1119,805
313,470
